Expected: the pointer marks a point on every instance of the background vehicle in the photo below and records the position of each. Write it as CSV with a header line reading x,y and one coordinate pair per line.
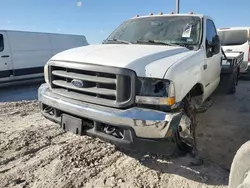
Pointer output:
x,y
237,39
240,168
141,87
23,54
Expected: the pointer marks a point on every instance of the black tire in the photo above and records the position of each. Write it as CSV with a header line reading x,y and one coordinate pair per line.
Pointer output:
x,y
238,76
233,86
182,147
240,165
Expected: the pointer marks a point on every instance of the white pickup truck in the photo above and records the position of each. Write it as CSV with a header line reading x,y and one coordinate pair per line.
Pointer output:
x,y
138,89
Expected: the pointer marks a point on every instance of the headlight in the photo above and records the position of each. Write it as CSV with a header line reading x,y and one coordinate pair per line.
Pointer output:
x,y
156,92
46,73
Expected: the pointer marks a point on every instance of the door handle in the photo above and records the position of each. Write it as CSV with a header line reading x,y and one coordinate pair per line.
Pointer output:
x,y
205,66
4,56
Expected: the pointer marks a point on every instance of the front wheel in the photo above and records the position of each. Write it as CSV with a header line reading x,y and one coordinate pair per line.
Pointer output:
x,y
182,147
185,132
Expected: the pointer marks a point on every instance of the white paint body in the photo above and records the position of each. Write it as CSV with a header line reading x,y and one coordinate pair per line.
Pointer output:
x,y
182,66
25,50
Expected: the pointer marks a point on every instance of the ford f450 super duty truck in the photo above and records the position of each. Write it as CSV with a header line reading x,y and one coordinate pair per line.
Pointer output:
x,y
138,89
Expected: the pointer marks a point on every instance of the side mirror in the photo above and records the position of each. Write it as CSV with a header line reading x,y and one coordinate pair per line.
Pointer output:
x,y
214,45
215,41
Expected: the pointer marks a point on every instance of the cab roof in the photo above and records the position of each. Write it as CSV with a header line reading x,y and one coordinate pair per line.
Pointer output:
x,y
233,28
171,14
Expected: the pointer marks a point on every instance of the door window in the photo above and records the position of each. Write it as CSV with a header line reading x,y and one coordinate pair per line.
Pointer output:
x,y
1,43
211,33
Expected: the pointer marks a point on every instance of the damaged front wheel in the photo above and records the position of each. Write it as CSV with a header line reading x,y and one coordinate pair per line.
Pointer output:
x,y
185,133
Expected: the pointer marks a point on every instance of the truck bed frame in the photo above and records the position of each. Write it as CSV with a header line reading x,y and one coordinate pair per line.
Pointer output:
x,y
230,71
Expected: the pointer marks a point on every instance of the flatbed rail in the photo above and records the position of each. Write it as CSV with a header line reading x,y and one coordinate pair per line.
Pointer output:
x,y
231,61
230,71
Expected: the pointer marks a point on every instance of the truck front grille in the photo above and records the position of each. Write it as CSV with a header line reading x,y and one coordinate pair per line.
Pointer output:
x,y
108,86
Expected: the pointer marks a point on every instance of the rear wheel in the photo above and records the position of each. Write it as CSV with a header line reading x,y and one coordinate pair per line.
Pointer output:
x,y
234,84
238,76
233,89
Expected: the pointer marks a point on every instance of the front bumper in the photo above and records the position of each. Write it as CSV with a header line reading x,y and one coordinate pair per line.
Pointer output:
x,y
139,124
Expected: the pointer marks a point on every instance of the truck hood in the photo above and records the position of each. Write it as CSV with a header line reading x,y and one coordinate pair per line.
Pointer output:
x,y
145,60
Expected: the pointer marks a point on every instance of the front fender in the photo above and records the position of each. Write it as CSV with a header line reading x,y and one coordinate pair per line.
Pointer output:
x,y
185,74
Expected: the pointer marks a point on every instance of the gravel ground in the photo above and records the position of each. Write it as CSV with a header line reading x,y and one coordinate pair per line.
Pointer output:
x,y
225,126
36,153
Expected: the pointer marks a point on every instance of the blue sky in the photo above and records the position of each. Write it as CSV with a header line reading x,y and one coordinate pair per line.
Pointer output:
x,y
97,18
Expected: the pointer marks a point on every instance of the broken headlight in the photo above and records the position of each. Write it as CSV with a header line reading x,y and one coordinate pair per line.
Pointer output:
x,y
156,92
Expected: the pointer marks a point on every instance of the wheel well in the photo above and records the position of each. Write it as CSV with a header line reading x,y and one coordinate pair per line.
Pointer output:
x,y
197,90
195,94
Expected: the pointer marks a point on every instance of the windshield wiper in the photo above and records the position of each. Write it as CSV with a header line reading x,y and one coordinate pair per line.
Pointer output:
x,y
181,44
118,40
153,42
185,45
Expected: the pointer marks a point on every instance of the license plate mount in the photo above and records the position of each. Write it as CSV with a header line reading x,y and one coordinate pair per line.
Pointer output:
x,y
72,124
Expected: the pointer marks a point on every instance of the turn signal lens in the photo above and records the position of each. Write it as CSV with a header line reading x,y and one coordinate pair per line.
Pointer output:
x,y
46,73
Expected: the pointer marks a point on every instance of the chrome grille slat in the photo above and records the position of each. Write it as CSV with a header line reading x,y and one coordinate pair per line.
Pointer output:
x,y
103,85
72,75
82,97
94,90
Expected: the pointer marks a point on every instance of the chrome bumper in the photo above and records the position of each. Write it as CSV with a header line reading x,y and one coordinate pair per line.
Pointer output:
x,y
146,123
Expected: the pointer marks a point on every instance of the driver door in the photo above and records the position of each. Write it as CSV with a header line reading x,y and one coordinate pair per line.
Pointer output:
x,y
212,64
5,62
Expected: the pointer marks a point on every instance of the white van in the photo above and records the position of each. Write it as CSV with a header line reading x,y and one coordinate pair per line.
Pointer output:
x,y
237,39
24,54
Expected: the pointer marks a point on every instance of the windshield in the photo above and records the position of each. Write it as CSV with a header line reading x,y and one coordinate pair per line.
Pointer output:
x,y
169,29
233,37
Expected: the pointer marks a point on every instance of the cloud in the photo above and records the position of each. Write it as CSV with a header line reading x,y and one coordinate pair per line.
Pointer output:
x,y
79,3
102,31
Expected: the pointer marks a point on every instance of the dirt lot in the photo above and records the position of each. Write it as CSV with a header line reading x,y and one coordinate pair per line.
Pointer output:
x,y
36,153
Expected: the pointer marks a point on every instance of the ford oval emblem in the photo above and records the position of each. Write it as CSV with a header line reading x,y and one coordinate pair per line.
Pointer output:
x,y
77,83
